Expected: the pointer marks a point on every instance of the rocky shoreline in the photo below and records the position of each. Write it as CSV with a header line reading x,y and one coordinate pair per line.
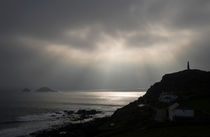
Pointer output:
x,y
86,129
73,120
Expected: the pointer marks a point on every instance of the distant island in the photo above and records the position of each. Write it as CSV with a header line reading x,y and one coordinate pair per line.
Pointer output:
x,y
45,89
26,90
177,106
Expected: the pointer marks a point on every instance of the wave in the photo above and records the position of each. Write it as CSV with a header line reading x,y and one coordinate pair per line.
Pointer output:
x,y
8,122
40,117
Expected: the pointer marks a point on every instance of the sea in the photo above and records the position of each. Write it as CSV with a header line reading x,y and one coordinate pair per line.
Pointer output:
x,y
22,113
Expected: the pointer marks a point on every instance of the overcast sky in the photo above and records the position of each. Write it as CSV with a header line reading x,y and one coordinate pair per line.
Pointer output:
x,y
92,44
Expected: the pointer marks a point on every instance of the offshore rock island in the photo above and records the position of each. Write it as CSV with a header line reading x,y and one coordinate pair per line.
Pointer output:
x,y
45,89
176,106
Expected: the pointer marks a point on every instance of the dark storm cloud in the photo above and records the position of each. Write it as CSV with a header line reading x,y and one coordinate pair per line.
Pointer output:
x,y
64,43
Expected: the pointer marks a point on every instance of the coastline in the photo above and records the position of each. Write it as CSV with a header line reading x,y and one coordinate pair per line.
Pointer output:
x,y
87,129
80,120
39,111
149,116
93,128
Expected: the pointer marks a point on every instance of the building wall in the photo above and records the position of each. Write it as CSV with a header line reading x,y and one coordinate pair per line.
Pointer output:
x,y
165,97
183,112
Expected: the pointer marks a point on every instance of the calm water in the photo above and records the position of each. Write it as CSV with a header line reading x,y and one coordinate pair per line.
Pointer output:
x,y
23,113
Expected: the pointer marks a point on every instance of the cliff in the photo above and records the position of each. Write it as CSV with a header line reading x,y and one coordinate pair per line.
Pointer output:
x,y
183,83
193,90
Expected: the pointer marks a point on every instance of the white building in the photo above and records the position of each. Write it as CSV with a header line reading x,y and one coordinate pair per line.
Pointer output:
x,y
167,97
174,111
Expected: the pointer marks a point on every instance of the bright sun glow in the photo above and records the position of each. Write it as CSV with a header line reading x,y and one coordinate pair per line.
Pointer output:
x,y
118,95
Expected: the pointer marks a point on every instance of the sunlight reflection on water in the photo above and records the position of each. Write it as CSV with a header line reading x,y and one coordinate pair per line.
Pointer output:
x,y
36,108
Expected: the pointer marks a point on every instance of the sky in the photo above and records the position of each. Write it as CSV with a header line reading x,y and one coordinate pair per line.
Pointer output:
x,y
100,44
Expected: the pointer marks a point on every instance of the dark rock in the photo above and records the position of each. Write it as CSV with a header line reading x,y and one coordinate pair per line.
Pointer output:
x,y
58,112
53,115
68,112
88,112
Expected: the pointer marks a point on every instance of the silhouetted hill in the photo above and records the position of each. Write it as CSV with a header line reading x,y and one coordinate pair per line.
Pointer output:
x,y
193,90
183,83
